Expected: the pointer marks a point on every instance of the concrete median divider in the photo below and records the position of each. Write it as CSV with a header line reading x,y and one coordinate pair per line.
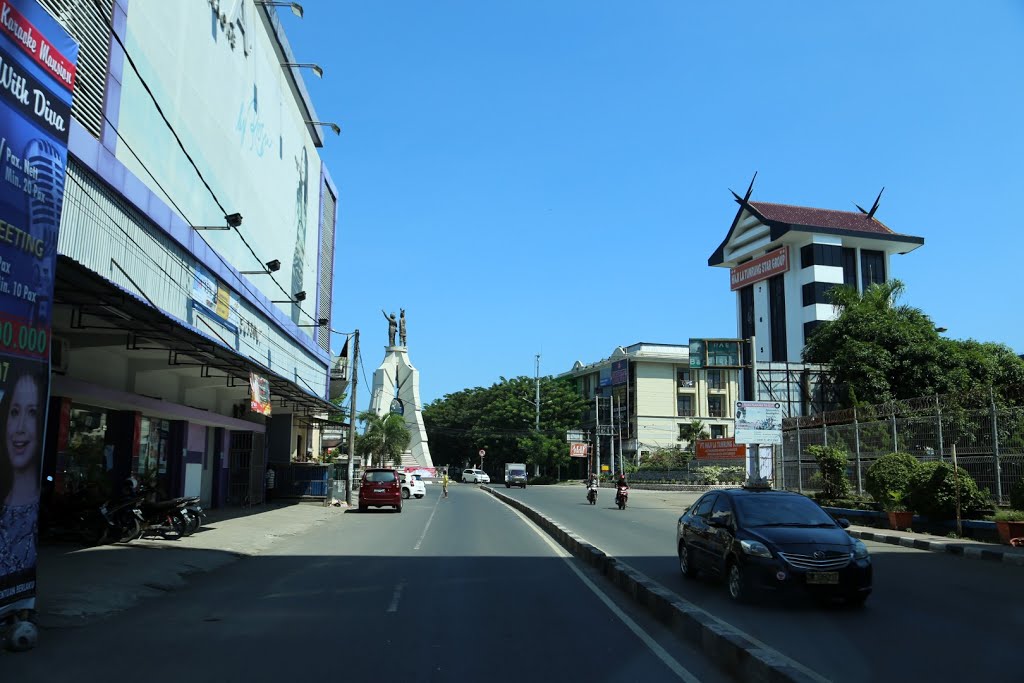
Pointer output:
x,y
734,651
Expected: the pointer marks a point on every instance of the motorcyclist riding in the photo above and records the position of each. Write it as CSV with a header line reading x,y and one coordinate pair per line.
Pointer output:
x,y
621,490
591,485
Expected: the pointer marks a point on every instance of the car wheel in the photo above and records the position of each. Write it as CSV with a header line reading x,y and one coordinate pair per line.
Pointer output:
x,y
405,494
736,580
686,567
508,486
398,508
419,495
364,508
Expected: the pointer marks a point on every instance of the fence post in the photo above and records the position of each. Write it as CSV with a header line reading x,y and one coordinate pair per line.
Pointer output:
x,y
895,443
995,446
799,468
938,413
856,442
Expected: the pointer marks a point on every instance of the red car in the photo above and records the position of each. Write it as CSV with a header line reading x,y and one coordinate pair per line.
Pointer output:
x,y
380,487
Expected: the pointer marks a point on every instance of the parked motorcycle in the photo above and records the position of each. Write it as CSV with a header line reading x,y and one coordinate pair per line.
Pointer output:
x,y
124,520
169,518
195,513
621,496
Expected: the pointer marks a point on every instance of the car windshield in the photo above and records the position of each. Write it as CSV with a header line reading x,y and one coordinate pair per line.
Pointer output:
x,y
757,510
518,473
380,476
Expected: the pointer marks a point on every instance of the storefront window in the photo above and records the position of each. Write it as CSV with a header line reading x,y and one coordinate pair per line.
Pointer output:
x,y
86,458
154,438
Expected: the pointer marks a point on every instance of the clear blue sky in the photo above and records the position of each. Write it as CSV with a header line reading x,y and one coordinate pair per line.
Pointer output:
x,y
550,177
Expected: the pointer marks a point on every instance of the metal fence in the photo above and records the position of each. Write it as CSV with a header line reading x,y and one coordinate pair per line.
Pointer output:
x,y
988,442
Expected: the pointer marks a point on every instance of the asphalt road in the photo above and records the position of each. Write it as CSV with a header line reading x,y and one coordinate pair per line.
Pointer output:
x,y
463,589
931,616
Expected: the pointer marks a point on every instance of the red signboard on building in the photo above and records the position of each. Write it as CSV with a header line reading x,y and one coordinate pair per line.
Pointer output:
x,y
761,268
720,449
578,450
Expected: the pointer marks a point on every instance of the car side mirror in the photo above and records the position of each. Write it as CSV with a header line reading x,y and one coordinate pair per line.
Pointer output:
x,y
843,522
721,521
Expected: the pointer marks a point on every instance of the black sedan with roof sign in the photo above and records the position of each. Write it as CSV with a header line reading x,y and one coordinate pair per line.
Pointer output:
x,y
758,540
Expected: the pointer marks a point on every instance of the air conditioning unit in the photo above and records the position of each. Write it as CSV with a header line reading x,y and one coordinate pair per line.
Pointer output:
x,y
60,351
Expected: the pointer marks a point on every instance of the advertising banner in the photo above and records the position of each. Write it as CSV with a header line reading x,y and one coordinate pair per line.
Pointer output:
x,y
37,72
578,450
758,422
215,298
259,394
620,372
720,449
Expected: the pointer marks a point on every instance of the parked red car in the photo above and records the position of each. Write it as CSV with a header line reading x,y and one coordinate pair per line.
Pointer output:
x,y
380,487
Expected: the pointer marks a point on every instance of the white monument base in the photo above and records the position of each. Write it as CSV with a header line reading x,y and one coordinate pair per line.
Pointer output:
x,y
397,382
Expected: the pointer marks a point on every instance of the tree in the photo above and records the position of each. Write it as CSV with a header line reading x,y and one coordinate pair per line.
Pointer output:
x,y
881,351
384,438
691,432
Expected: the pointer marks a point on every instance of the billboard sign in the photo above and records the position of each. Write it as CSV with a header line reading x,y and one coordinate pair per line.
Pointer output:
x,y
259,394
758,422
578,450
720,449
716,353
761,268
38,59
620,371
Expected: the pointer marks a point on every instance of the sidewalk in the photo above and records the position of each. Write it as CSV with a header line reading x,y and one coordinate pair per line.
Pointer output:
x,y
78,585
939,544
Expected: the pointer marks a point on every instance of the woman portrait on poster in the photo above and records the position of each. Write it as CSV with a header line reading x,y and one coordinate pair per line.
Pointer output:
x,y
21,438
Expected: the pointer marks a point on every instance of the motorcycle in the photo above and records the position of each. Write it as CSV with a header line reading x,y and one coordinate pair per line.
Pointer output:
x,y
124,520
621,496
165,517
592,493
195,513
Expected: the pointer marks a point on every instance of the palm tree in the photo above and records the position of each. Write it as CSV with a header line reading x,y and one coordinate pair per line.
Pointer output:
x,y
691,432
384,438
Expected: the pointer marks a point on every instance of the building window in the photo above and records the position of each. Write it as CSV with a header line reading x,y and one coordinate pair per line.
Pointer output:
x,y
714,379
715,406
817,292
821,255
850,267
717,431
684,406
777,311
685,379
872,267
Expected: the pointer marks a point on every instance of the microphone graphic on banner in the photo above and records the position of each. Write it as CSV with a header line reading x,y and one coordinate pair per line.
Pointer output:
x,y
44,164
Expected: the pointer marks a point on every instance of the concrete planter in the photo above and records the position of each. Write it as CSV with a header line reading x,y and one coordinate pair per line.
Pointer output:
x,y
900,520
1008,530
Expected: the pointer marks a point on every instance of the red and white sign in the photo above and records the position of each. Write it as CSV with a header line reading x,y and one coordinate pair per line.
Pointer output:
x,y
761,268
26,36
720,449
578,450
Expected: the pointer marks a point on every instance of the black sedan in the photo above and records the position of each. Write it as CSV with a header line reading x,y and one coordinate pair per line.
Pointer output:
x,y
759,539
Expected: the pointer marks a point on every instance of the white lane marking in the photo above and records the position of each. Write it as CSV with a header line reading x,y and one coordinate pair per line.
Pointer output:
x,y
393,607
429,520
652,644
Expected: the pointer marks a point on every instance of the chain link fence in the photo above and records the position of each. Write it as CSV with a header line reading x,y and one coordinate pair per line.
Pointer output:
x,y
987,441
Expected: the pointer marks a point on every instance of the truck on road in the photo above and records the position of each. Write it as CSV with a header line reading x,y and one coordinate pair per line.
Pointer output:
x,y
515,474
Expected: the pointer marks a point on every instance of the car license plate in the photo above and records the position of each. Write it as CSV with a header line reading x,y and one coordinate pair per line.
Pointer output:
x,y
823,578
378,490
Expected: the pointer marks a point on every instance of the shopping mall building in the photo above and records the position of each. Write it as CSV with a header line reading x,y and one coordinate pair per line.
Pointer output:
x,y
195,253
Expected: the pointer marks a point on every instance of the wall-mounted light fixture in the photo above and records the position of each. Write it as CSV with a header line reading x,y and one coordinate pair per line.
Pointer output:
x,y
272,267
315,67
295,7
333,126
320,322
296,298
233,220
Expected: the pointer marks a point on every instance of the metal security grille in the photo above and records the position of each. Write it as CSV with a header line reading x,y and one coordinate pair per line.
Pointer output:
x,y
88,22
328,210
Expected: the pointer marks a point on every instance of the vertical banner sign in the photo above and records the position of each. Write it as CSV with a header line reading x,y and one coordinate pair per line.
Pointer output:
x,y
37,74
259,394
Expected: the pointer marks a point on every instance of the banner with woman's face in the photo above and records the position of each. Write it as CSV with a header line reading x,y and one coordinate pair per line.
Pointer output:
x,y
38,58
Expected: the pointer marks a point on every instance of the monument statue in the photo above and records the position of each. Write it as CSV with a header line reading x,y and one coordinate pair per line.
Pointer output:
x,y
401,326
392,327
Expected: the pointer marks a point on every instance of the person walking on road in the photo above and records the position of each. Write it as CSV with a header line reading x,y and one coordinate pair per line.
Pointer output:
x,y
444,483
271,476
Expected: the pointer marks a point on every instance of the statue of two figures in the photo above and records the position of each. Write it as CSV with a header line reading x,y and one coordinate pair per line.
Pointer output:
x,y
395,326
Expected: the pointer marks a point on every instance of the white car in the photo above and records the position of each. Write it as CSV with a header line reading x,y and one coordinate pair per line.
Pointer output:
x,y
475,476
411,486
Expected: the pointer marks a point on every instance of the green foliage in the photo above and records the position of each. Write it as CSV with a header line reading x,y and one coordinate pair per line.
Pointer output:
x,y
1009,516
888,478
881,351
832,462
674,458
692,432
710,475
932,491
502,420
1017,495
542,480
384,438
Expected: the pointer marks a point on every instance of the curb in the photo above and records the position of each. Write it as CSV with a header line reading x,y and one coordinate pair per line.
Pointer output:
x,y
726,646
1010,558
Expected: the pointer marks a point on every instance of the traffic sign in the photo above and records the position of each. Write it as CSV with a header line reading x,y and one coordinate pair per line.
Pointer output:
x,y
482,452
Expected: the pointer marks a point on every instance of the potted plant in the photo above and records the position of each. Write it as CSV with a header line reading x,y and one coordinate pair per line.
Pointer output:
x,y
1010,524
900,517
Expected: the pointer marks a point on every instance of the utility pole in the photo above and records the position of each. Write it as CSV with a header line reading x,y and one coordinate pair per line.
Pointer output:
x,y
536,403
352,418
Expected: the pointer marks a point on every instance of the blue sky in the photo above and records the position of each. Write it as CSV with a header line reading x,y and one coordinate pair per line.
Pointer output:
x,y
550,177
